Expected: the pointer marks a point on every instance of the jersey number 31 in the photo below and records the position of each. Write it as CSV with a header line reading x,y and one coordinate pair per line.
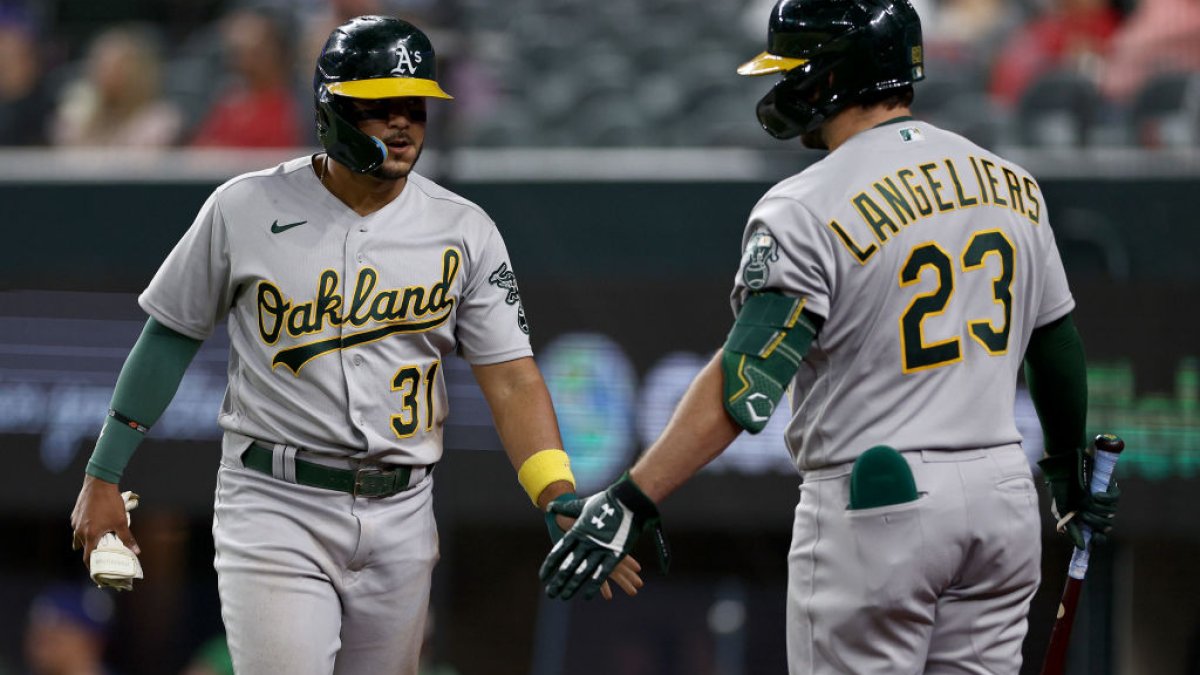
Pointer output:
x,y
407,381
920,355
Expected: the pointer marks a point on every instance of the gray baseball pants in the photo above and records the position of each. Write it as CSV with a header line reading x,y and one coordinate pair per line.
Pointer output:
x,y
315,581
939,585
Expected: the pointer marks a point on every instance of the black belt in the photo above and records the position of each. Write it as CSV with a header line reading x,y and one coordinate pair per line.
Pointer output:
x,y
358,482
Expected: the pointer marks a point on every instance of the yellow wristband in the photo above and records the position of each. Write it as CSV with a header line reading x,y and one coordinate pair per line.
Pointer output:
x,y
543,468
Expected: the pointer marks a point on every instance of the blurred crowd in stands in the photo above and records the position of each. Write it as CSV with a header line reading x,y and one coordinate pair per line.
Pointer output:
x,y
535,73
68,629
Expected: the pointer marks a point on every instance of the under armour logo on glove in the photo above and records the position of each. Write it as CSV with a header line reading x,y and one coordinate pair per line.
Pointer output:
x,y
607,526
598,520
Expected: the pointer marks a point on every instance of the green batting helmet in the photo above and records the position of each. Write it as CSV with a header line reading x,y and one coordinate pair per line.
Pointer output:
x,y
832,53
369,57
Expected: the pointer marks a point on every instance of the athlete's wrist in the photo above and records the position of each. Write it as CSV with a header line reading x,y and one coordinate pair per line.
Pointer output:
x,y
631,495
544,469
94,482
649,484
555,492
113,450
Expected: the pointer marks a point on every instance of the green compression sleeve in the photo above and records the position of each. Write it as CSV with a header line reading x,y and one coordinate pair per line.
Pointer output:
x,y
146,385
1056,372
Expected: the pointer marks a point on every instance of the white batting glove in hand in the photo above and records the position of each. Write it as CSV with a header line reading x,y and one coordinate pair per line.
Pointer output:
x,y
112,564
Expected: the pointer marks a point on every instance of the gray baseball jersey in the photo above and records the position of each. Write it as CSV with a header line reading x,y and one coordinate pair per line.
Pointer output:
x,y
338,323
931,260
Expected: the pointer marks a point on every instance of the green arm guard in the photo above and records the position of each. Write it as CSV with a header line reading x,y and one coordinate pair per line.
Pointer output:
x,y
762,354
146,385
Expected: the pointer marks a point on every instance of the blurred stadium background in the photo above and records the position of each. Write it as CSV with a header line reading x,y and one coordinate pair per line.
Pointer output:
x,y
620,155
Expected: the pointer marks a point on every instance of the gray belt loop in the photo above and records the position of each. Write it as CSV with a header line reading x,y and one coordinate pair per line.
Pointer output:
x,y
417,475
283,462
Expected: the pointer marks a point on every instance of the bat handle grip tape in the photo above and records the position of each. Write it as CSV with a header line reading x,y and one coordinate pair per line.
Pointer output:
x,y
1102,471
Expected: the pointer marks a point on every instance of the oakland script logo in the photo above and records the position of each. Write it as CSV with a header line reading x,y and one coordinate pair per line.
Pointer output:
x,y
393,311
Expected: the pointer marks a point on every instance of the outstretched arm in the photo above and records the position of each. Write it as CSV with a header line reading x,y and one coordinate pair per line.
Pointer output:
x,y
698,433
738,389
524,417
609,523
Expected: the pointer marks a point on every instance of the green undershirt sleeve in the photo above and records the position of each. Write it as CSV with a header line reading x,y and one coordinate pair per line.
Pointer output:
x,y
146,385
1056,373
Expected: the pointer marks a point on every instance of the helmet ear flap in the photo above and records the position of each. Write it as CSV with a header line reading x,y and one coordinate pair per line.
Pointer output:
x,y
787,110
344,142
779,116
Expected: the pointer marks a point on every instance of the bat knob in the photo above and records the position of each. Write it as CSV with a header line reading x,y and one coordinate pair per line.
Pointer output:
x,y
1109,443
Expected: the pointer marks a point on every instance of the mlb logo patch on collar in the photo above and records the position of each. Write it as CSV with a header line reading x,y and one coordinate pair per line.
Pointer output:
x,y
911,135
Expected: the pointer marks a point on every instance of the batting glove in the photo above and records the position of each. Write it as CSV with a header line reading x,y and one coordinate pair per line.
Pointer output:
x,y
1068,476
606,527
112,564
556,532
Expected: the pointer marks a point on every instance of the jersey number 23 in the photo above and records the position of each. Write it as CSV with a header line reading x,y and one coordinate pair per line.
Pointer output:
x,y
921,355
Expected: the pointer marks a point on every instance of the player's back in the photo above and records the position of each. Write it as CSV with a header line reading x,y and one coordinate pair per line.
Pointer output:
x,y
932,261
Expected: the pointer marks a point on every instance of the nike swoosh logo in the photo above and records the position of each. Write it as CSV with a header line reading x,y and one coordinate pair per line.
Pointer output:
x,y
276,228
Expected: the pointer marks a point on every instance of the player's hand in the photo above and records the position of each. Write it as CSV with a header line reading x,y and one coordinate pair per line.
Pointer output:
x,y
1068,476
626,575
608,525
99,510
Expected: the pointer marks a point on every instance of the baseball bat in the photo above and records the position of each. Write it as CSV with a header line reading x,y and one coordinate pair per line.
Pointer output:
x,y
1108,449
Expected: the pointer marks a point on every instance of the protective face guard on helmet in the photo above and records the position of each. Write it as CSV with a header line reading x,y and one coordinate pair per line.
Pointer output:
x,y
342,139
369,57
783,112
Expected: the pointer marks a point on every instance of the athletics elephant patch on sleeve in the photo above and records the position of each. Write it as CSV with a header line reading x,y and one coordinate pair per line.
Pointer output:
x,y
504,279
761,251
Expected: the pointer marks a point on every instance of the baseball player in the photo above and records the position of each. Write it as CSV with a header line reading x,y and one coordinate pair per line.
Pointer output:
x,y
346,279
896,286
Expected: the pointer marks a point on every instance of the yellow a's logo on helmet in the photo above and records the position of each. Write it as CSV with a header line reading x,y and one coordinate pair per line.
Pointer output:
x,y
406,62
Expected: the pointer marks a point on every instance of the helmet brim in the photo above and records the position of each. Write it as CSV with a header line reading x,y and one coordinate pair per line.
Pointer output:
x,y
388,87
767,63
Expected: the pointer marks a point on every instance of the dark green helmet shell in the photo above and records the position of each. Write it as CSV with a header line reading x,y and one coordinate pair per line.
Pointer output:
x,y
832,53
369,57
